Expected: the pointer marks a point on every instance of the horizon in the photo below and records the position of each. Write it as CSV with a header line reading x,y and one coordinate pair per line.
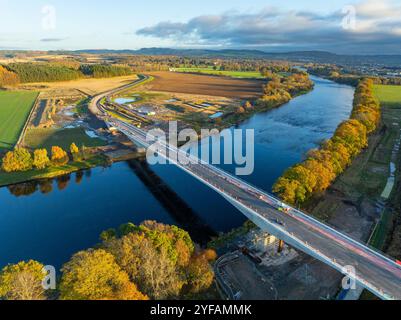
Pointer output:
x,y
205,49
347,27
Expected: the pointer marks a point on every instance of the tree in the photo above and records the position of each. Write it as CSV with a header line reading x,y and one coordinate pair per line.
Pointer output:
x,y
8,78
157,274
200,274
155,257
22,281
353,135
108,235
9,162
40,159
326,175
248,105
304,176
290,191
75,152
126,251
59,156
18,160
240,110
94,275
339,151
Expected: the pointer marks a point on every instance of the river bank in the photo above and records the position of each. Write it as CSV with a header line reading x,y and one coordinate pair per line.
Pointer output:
x,y
7,179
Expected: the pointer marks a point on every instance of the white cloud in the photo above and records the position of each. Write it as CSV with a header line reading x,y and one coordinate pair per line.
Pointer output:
x,y
376,29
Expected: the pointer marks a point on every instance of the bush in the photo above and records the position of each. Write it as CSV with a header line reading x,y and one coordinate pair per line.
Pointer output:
x,y
22,281
76,155
40,159
18,160
59,156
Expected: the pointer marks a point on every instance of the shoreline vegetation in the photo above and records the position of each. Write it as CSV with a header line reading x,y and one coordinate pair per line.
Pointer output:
x,y
150,261
20,165
316,174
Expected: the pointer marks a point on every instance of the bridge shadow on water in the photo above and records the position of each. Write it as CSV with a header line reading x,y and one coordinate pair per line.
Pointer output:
x,y
182,213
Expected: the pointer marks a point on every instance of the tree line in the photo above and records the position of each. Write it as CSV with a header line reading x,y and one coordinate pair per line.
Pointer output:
x,y
280,90
104,70
346,76
8,78
16,73
149,261
323,165
43,72
21,159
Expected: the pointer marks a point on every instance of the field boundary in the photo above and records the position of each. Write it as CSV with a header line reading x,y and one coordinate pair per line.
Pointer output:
x,y
28,120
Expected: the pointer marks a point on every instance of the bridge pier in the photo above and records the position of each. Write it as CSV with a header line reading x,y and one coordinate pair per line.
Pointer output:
x,y
281,245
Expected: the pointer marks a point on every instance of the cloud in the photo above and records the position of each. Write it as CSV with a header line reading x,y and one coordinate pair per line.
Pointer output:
x,y
376,29
52,39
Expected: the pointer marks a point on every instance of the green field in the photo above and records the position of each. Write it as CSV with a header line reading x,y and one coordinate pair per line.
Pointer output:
x,y
233,74
15,107
389,95
46,138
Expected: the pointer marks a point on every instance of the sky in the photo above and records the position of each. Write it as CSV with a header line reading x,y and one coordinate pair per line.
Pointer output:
x,y
340,26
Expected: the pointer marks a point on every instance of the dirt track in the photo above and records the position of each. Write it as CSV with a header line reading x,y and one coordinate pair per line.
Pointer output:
x,y
206,85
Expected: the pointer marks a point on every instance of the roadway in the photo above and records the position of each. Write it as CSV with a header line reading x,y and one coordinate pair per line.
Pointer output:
x,y
95,105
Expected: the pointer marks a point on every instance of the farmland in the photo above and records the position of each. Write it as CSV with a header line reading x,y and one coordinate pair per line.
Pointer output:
x,y
176,82
389,95
87,86
46,138
15,107
233,74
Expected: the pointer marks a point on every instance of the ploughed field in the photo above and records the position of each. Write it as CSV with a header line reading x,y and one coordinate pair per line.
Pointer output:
x,y
15,107
234,74
206,85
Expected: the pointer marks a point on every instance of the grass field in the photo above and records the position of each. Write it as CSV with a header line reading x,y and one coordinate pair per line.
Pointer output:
x,y
46,138
389,95
14,111
233,74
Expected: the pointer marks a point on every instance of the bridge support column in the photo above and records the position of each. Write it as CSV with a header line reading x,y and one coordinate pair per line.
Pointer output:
x,y
281,245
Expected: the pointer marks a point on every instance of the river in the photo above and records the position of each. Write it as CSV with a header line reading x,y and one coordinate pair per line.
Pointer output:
x,y
51,221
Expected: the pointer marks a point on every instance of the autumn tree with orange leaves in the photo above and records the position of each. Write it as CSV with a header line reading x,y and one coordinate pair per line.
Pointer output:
x,y
322,166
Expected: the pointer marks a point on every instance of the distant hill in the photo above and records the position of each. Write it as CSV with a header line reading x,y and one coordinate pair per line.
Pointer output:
x,y
296,56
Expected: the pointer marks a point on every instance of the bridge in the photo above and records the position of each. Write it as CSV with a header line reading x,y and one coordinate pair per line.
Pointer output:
x,y
374,271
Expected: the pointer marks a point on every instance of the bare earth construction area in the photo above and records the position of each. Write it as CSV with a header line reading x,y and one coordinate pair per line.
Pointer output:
x,y
206,85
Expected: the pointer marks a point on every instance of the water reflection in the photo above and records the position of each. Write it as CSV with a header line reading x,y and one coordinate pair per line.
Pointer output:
x,y
46,186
